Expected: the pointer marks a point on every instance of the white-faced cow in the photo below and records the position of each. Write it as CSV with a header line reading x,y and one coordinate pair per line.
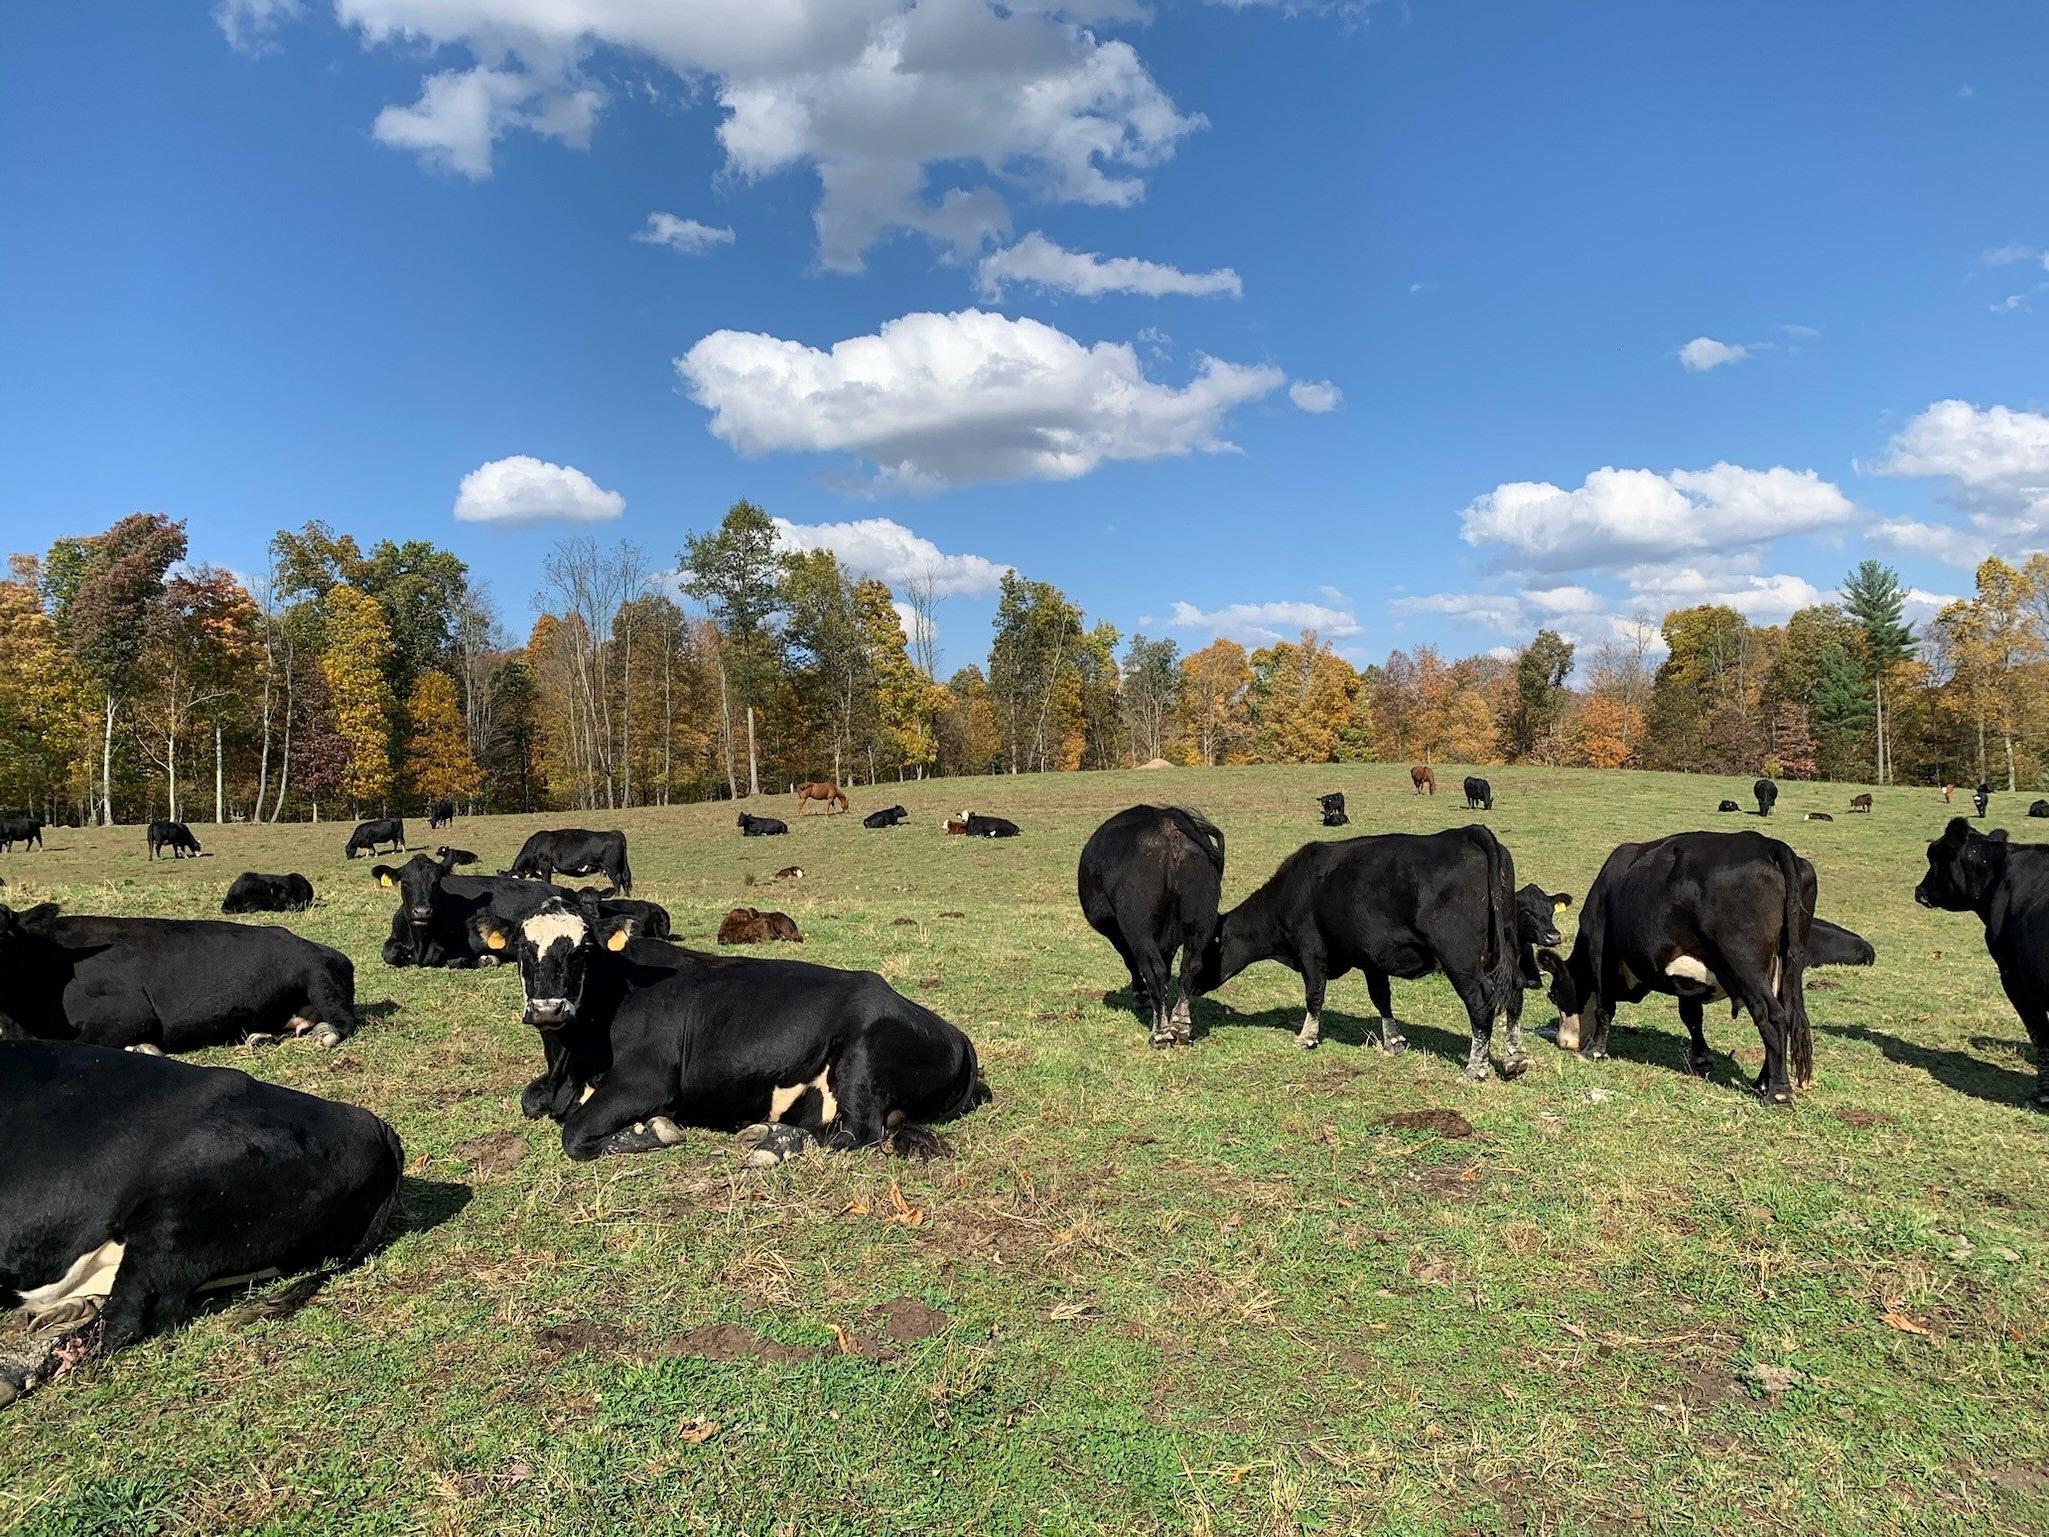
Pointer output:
x,y
369,835
2007,886
641,1038
175,836
1149,881
1699,916
979,826
574,851
432,924
254,893
1389,905
134,1186
170,984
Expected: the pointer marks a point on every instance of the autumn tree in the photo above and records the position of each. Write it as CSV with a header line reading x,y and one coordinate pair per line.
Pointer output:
x,y
438,761
1032,673
1539,697
44,701
1150,686
1216,715
358,648
1301,700
200,649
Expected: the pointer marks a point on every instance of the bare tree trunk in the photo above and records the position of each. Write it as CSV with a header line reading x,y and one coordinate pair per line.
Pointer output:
x,y
107,766
219,801
171,775
726,729
753,764
284,767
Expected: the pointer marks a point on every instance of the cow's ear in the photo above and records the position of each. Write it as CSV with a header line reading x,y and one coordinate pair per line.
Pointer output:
x,y
495,934
1548,959
617,930
1997,835
1560,901
1958,831
384,875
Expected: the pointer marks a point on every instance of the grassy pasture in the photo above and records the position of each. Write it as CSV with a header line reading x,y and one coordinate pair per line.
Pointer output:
x,y
1207,1290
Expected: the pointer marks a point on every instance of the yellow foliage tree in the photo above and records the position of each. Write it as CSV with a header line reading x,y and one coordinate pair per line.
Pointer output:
x,y
1216,713
1603,732
45,705
1472,728
358,646
438,760
1302,701
904,700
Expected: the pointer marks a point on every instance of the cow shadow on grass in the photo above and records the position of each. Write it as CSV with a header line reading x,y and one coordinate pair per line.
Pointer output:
x,y
424,1204
1954,1069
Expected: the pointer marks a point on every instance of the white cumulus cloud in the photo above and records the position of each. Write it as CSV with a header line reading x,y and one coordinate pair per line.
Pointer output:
x,y
461,113
884,548
1263,624
1996,463
685,235
522,490
932,401
1704,353
251,25
1035,259
1315,397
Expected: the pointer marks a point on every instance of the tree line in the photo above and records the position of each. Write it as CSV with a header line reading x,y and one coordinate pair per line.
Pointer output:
x,y
340,682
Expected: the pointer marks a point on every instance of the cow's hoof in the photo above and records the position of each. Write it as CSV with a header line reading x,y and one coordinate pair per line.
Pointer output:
x,y
1394,1045
1478,1073
258,1041
1160,1040
325,1035
1308,1042
1514,1067
769,1143
1698,1066
1594,1054
908,1141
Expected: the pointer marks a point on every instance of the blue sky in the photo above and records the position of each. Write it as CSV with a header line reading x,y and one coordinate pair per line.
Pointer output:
x,y
1222,317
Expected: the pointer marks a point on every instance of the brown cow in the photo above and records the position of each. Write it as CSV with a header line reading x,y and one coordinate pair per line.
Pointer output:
x,y
1424,781
1861,802
821,790
1819,816
790,873
1949,793
747,926
956,827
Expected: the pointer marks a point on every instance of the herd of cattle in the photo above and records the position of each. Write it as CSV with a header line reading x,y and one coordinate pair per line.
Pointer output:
x,y
139,1183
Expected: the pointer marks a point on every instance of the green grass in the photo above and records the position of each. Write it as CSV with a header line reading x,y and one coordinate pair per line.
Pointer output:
x,y
1204,1290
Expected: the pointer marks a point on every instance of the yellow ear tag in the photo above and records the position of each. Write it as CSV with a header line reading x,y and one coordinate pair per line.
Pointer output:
x,y
494,941
385,880
1560,906
617,941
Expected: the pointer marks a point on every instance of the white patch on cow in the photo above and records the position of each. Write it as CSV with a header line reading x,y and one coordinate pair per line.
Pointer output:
x,y
666,1131
588,1090
1568,1031
1311,1032
1687,968
1777,973
90,1278
780,1100
543,929
144,1049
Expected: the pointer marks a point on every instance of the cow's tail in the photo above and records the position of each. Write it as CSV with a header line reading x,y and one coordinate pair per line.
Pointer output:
x,y
1208,836
1792,987
1502,979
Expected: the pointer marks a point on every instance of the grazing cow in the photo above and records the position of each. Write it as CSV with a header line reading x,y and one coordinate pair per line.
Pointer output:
x,y
821,790
170,984
1830,944
893,817
253,893
1819,816
956,827
431,927
790,873
1424,781
2039,809
1861,802
441,813
1335,801
1983,799
1767,795
2007,886
979,826
368,835
1391,905
1536,928
1479,794
1728,806
761,827
26,831
1149,881
641,1036
1336,819
136,1185
175,836
574,851
748,926
1700,916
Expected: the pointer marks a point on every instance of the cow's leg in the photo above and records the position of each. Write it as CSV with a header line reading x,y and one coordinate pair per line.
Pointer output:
x,y
2035,1019
1152,968
1691,1012
616,1119
1391,1038
1184,1017
768,1143
1760,1002
1310,1036
1480,1016
1515,1061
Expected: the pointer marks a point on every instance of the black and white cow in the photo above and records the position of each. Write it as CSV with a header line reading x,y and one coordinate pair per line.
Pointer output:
x,y
26,831
441,813
1479,794
1699,916
980,826
175,836
254,893
1981,797
368,835
1389,905
574,851
1728,806
640,1037
1336,819
2007,885
170,984
134,1186
1767,795
432,924
1149,881
761,827
1335,801
892,817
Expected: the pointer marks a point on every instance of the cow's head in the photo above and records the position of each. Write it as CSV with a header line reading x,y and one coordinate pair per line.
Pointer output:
x,y
415,881
1567,994
16,928
1536,915
1962,867
554,946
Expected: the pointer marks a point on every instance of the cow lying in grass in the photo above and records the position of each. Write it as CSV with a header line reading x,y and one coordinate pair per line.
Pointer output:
x,y
640,1037
751,926
170,984
254,893
892,816
134,1186
432,924
761,827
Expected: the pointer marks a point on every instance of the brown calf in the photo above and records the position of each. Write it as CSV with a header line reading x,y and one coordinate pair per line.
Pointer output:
x,y
746,926
1861,802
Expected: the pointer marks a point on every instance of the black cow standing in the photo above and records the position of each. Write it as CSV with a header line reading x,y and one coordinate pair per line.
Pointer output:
x,y
253,893
575,851
786,1051
980,826
170,984
1700,916
368,835
761,827
1389,905
2007,886
1479,794
1767,795
26,831
134,1186
175,836
1149,881
441,813
1982,797
891,817
432,926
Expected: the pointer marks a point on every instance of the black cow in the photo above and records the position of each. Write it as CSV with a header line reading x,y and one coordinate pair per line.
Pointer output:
x,y
1536,928
2039,809
787,1050
893,817
980,826
26,831
432,924
1982,797
1767,795
134,1186
175,836
575,851
253,893
1149,882
761,827
1336,819
368,835
455,856
1728,806
1479,794
170,984
441,813
2007,886
650,919
1700,916
1335,801
1390,905
1830,944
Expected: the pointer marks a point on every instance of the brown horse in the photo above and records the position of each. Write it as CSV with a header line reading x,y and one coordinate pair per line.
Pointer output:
x,y
1424,781
821,790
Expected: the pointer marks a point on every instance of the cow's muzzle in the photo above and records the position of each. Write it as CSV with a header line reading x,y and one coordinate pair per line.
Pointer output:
x,y
549,1013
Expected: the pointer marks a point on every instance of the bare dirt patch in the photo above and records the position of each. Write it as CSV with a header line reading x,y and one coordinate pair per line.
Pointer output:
x,y
1864,1120
580,1336
496,1152
736,1342
1448,1124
